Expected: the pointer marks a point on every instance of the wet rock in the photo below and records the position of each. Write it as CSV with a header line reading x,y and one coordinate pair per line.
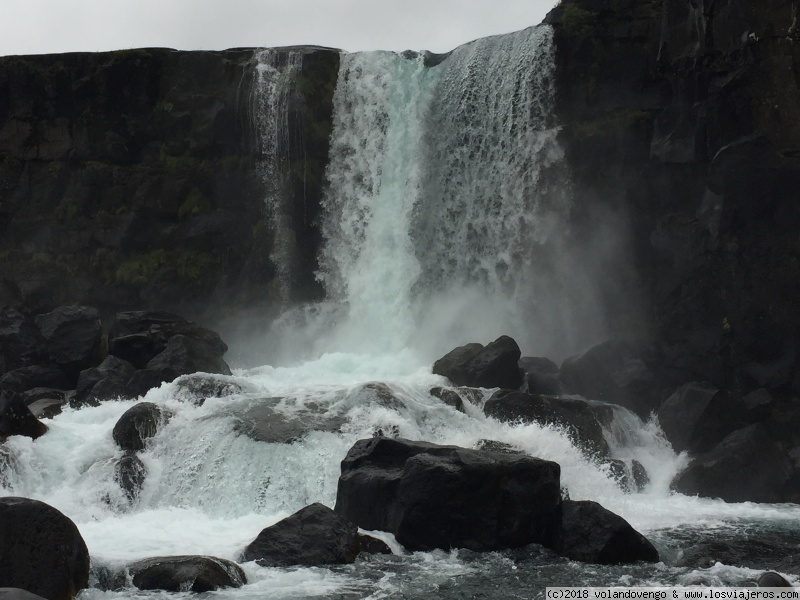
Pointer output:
x,y
184,355
143,381
698,416
314,535
495,446
71,338
474,365
541,376
449,397
745,466
46,408
34,376
372,545
446,497
378,393
582,419
8,593
186,574
138,424
640,476
43,393
17,419
593,534
772,579
107,381
130,473
614,371
199,387
139,336
37,539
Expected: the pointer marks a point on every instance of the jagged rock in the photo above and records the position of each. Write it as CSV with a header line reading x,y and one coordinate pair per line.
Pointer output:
x,y
372,545
433,496
107,381
474,365
38,539
19,340
138,424
449,397
698,415
541,375
130,473
139,336
745,466
593,534
614,371
314,535
17,419
772,579
186,574
71,337
582,419
34,376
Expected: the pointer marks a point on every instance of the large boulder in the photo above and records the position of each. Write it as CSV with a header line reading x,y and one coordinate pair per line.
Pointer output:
x,y
17,419
314,535
745,466
138,424
8,593
33,376
541,375
19,339
593,534
41,550
186,574
71,337
432,496
614,371
584,420
138,336
108,380
681,412
474,365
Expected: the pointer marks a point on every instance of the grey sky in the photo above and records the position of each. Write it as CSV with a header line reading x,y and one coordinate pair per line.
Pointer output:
x,y
44,26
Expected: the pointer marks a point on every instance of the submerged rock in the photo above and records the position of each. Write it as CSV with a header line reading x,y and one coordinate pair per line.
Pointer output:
x,y
592,534
313,536
432,496
474,365
41,550
186,574
130,473
199,387
448,396
264,423
772,579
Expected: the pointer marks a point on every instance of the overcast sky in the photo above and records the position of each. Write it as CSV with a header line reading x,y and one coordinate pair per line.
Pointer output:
x,y
44,26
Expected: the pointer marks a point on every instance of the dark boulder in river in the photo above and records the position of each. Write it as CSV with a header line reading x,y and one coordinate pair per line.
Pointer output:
x,y
186,574
746,466
17,419
103,382
592,534
41,550
475,365
582,419
432,496
71,338
314,535
139,336
137,425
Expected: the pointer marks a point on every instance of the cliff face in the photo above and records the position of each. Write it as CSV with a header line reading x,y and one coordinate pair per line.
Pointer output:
x,y
683,116
128,180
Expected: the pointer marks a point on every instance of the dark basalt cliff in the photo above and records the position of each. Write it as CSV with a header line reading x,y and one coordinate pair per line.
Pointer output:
x,y
129,180
685,117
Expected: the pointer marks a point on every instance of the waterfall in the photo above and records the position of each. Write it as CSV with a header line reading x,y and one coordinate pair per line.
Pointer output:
x,y
275,74
437,196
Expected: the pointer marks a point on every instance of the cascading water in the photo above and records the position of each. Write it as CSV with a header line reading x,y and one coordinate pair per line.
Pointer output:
x,y
438,186
275,74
